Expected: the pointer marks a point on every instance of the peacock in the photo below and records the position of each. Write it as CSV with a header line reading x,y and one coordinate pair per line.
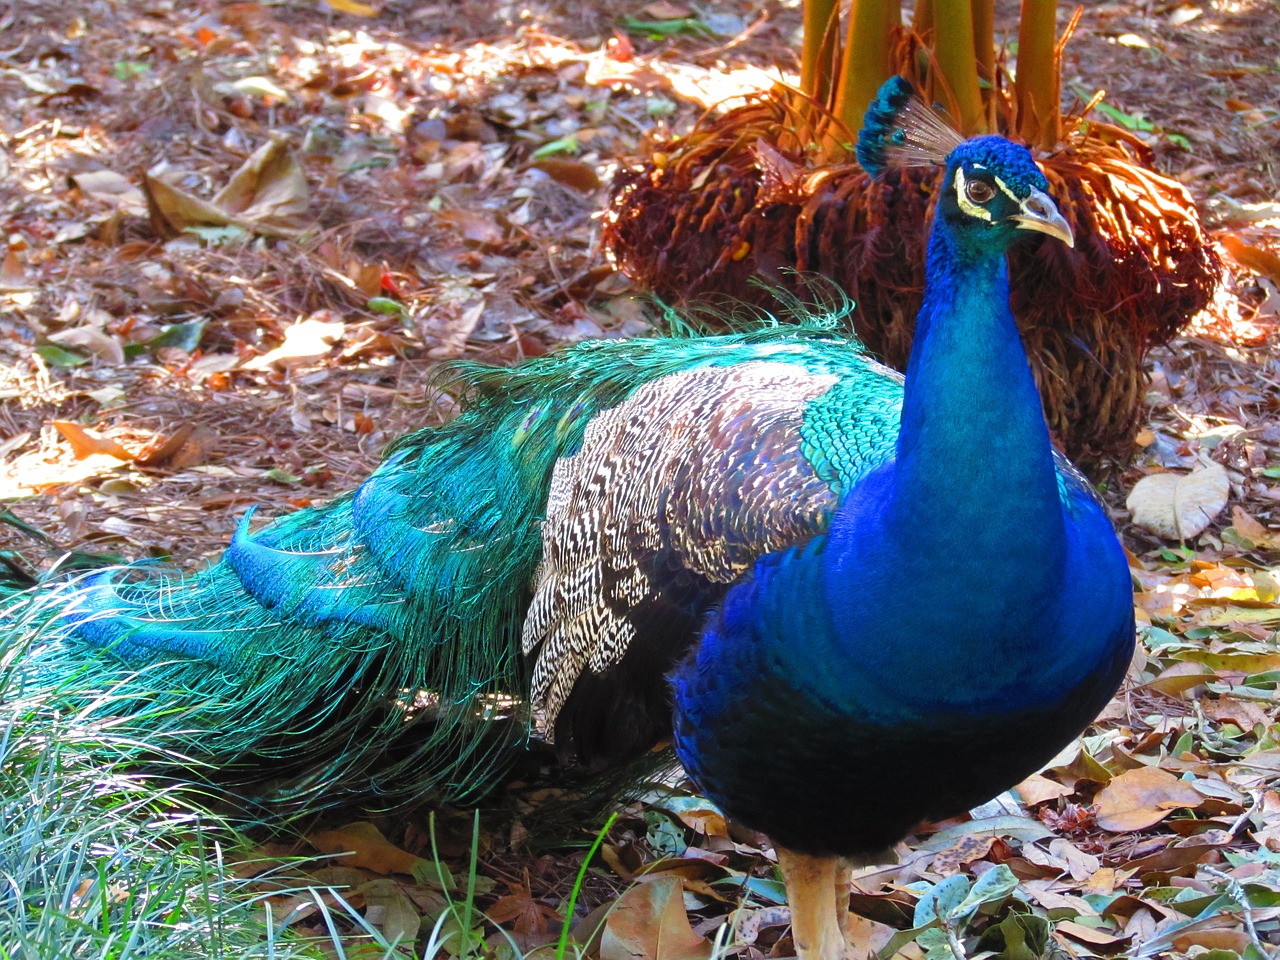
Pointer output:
x,y
852,603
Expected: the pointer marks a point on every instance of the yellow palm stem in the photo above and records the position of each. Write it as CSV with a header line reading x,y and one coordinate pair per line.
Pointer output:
x,y
1037,85
818,53
984,50
953,49
866,61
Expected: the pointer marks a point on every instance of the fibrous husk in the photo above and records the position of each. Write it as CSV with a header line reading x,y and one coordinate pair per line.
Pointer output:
x,y
740,199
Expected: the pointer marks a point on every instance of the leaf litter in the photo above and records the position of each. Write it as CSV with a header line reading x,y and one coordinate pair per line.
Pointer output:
x,y
240,235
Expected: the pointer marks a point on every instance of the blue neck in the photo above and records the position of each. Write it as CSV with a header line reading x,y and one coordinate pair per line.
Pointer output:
x,y
975,467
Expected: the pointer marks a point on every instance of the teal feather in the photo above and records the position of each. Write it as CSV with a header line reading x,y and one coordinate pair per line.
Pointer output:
x,y
370,648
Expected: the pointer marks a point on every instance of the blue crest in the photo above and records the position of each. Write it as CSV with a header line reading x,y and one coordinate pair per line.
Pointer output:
x,y
900,131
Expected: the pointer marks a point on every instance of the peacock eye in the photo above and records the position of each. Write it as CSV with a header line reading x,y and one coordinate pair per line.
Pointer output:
x,y
979,191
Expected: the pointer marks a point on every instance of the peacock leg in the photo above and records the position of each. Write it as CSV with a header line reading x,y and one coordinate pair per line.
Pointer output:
x,y
844,875
817,926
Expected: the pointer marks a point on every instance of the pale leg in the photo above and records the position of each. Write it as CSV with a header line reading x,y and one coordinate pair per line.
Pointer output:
x,y
818,891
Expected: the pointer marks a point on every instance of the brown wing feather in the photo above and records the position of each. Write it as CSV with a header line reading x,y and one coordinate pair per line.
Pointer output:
x,y
672,496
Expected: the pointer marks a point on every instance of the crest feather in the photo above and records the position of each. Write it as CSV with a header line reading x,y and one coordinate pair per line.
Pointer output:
x,y
900,131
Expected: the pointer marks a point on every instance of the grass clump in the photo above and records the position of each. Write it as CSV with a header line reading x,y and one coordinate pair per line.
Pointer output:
x,y
97,860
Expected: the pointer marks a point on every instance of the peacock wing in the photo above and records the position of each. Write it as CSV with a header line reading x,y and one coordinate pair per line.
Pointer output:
x,y
671,497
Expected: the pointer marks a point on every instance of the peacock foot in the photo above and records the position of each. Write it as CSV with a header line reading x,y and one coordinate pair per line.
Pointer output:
x,y
818,891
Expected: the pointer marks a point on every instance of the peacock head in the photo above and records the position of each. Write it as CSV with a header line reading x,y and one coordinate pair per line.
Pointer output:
x,y
992,190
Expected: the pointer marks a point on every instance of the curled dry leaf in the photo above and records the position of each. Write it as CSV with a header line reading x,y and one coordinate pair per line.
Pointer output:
x,y
188,445
85,443
1258,259
267,196
1250,529
112,188
363,845
1178,507
94,340
1140,798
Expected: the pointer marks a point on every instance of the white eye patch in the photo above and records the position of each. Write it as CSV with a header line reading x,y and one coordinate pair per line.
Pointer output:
x,y
971,208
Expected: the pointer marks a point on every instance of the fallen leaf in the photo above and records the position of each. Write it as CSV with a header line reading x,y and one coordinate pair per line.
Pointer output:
x,y
96,341
478,228
363,845
1037,789
649,922
962,853
1214,938
1140,798
85,443
1257,259
1088,935
572,173
1232,660
188,445
306,338
390,910
1178,507
266,195
664,10
13,276
1182,678
353,8
696,813
1250,529
112,188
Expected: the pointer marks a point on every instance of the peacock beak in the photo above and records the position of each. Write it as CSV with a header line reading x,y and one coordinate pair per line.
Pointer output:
x,y
1041,214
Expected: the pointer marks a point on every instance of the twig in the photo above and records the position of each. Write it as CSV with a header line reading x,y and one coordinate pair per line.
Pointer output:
x,y
1237,892
1244,818
957,948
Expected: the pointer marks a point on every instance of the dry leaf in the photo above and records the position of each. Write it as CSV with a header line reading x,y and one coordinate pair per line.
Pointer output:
x,y
665,10
453,334
112,188
306,338
363,845
185,447
269,188
94,340
1089,935
352,7
391,910
1140,798
1261,261
1182,678
1178,507
649,922
1037,789
267,195
85,443
478,228
572,173
1214,938
13,276
1253,531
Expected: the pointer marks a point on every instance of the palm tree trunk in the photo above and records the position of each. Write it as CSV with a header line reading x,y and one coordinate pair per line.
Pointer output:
x,y
866,63
954,48
1038,74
